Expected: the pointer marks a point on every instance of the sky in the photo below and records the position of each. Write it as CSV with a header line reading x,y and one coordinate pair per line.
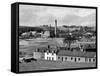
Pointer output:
x,y
33,15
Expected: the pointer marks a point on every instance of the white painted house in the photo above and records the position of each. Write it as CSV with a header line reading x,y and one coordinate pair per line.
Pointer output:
x,y
50,56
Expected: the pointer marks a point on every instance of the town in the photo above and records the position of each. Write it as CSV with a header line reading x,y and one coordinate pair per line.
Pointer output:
x,y
68,44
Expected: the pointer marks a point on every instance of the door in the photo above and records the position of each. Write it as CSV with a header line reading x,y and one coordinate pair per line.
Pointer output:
x,y
75,60
62,58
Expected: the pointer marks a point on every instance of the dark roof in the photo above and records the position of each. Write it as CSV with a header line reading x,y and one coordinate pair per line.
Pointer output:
x,y
76,54
44,49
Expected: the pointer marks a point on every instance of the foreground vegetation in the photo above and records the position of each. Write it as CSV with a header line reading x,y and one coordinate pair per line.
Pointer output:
x,y
47,65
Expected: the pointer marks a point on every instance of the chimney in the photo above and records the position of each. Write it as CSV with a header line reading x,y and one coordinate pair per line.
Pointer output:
x,y
55,28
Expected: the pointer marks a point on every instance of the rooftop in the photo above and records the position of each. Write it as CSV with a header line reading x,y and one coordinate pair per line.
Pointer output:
x,y
60,52
76,53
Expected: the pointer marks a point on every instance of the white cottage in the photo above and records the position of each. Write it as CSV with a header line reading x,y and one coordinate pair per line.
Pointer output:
x,y
50,55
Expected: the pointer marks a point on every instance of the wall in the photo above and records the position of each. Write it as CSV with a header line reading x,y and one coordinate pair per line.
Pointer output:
x,y
90,60
75,59
50,56
37,55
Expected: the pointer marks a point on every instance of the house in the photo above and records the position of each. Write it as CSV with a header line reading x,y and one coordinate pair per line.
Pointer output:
x,y
50,54
46,34
65,55
33,32
76,56
47,53
38,54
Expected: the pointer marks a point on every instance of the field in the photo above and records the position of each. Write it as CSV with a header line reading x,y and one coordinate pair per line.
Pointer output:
x,y
31,45
39,41
47,65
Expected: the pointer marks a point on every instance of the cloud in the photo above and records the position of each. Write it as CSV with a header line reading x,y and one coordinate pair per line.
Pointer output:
x,y
85,12
33,15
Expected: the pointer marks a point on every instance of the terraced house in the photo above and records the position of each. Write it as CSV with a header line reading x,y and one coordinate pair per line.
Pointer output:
x,y
76,56
65,55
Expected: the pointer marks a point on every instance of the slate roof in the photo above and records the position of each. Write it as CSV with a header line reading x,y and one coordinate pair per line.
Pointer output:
x,y
68,53
76,54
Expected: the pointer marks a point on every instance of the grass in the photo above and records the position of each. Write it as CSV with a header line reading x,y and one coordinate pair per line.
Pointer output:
x,y
36,43
46,65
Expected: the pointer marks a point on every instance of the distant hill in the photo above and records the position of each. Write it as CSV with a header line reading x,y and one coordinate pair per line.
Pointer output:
x,y
23,29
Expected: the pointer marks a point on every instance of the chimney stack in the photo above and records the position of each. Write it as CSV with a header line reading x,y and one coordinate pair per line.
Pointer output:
x,y
55,28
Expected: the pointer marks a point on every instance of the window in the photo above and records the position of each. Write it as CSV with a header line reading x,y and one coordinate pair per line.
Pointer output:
x,y
52,53
65,58
62,58
75,59
71,58
58,57
79,59
93,60
89,60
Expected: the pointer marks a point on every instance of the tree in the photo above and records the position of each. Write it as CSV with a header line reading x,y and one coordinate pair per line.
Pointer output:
x,y
69,39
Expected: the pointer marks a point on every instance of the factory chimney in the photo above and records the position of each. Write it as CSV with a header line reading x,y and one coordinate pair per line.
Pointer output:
x,y
55,28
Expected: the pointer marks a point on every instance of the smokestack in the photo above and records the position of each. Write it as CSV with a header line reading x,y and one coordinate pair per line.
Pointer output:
x,y
55,28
